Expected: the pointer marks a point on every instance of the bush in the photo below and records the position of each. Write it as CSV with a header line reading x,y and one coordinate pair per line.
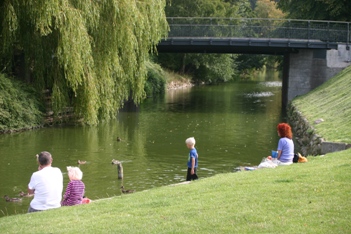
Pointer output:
x,y
155,83
19,106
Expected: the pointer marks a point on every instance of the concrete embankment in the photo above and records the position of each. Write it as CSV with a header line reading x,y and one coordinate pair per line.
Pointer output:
x,y
320,119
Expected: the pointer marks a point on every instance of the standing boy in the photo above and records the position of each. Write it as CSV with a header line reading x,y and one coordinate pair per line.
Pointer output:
x,y
192,159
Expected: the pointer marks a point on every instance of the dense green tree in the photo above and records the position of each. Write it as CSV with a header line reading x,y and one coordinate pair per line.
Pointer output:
x,y
338,10
19,106
246,62
200,8
90,54
268,9
253,3
155,83
212,68
245,7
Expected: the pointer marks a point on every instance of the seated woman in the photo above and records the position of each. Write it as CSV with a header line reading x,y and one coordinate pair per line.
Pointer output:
x,y
285,144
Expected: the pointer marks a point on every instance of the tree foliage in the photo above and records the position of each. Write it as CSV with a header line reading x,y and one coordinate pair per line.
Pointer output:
x,y
209,8
268,9
90,54
246,62
156,82
338,10
199,8
19,106
211,68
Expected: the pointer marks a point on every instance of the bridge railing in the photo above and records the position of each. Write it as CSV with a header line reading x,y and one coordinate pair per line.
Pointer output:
x,y
329,31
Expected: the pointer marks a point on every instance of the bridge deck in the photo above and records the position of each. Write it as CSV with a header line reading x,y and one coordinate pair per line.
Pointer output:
x,y
252,35
239,45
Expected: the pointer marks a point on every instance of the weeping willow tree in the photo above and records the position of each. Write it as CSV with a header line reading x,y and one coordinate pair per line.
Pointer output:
x,y
89,53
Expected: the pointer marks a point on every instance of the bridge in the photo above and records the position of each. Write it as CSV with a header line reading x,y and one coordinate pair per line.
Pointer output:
x,y
313,50
251,35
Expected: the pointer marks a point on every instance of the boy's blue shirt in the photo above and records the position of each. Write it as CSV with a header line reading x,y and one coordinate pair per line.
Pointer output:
x,y
192,154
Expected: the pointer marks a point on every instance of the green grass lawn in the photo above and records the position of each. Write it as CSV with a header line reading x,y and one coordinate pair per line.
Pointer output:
x,y
310,197
331,102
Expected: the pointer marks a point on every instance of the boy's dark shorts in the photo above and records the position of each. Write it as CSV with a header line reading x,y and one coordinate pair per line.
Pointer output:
x,y
190,176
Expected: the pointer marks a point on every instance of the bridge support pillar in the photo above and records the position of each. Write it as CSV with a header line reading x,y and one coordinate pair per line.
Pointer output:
x,y
310,68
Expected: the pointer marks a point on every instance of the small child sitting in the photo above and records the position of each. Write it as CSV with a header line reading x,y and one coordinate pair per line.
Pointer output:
x,y
75,188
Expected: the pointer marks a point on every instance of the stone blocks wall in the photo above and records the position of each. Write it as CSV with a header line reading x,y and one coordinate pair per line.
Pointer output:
x,y
306,138
304,134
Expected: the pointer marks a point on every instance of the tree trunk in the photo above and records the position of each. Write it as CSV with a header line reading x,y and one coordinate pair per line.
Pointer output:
x,y
182,70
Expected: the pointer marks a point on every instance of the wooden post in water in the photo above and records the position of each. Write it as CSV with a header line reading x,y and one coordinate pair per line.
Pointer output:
x,y
120,170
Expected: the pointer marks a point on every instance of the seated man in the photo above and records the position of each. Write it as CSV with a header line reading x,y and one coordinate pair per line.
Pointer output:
x,y
46,185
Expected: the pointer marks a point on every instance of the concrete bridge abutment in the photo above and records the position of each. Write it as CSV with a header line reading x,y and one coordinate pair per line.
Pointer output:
x,y
309,68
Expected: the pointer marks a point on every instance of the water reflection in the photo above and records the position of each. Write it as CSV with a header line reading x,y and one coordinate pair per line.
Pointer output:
x,y
232,125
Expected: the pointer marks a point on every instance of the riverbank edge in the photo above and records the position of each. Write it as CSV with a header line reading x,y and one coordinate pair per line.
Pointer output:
x,y
309,141
242,201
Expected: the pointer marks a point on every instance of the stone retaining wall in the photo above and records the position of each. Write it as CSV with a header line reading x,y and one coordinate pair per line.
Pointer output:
x,y
306,138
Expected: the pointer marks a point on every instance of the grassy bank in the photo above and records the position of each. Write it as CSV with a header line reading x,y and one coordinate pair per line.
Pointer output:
x,y
332,103
301,198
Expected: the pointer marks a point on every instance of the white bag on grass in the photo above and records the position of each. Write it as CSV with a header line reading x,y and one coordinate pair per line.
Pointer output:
x,y
266,163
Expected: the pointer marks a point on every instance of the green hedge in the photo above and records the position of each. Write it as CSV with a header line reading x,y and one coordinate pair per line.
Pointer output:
x,y
156,82
19,106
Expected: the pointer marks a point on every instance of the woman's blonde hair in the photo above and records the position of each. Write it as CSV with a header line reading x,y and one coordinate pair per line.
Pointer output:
x,y
74,173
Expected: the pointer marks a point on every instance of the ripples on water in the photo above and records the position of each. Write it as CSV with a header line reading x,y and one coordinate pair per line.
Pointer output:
x,y
261,94
272,83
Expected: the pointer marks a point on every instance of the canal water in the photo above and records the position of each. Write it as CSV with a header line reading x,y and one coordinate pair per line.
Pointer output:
x,y
234,124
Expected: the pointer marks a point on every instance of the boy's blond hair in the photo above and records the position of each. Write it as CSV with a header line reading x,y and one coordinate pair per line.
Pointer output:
x,y
75,173
190,141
